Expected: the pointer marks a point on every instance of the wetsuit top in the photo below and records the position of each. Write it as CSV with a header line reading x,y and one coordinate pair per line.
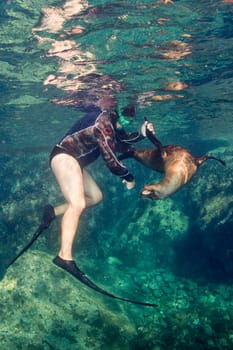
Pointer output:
x,y
94,134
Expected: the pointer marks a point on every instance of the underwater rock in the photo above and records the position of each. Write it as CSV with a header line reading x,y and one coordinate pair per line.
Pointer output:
x,y
207,249
43,308
149,234
166,97
176,86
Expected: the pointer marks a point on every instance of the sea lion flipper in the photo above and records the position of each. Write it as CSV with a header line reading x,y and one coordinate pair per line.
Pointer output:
x,y
155,191
170,184
148,194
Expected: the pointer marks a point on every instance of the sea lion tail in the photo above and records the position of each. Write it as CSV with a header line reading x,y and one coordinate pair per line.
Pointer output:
x,y
201,160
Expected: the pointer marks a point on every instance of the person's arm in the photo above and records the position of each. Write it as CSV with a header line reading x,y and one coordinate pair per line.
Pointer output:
x,y
128,138
105,136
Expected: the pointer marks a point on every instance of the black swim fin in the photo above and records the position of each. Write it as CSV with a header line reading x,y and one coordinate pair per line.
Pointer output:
x,y
47,218
71,267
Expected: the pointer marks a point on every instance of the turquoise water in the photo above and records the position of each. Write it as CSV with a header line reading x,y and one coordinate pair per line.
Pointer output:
x,y
174,62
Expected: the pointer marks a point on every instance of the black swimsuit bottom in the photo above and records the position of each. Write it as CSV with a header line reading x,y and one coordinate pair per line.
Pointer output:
x,y
58,150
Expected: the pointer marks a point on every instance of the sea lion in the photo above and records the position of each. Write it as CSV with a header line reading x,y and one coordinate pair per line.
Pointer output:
x,y
176,162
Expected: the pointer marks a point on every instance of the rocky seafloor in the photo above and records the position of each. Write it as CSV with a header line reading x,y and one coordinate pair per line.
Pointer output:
x,y
42,307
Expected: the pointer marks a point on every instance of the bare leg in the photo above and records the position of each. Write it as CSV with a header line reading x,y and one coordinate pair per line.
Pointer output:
x,y
93,194
70,179
80,191
59,210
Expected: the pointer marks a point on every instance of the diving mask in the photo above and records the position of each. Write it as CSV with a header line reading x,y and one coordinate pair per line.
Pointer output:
x,y
126,115
124,121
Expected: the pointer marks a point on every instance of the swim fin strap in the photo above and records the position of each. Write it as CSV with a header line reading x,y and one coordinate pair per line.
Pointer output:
x,y
71,267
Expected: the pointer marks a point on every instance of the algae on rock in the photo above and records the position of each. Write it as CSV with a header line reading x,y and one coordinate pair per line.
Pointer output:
x,y
42,307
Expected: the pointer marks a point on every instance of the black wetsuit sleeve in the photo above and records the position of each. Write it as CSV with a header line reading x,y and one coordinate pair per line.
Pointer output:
x,y
105,135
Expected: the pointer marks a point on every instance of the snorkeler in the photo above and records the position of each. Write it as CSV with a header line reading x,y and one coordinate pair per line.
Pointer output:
x,y
99,132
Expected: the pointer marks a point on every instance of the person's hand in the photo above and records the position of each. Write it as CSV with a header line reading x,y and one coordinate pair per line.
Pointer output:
x,y
150,127
129,184
147,126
